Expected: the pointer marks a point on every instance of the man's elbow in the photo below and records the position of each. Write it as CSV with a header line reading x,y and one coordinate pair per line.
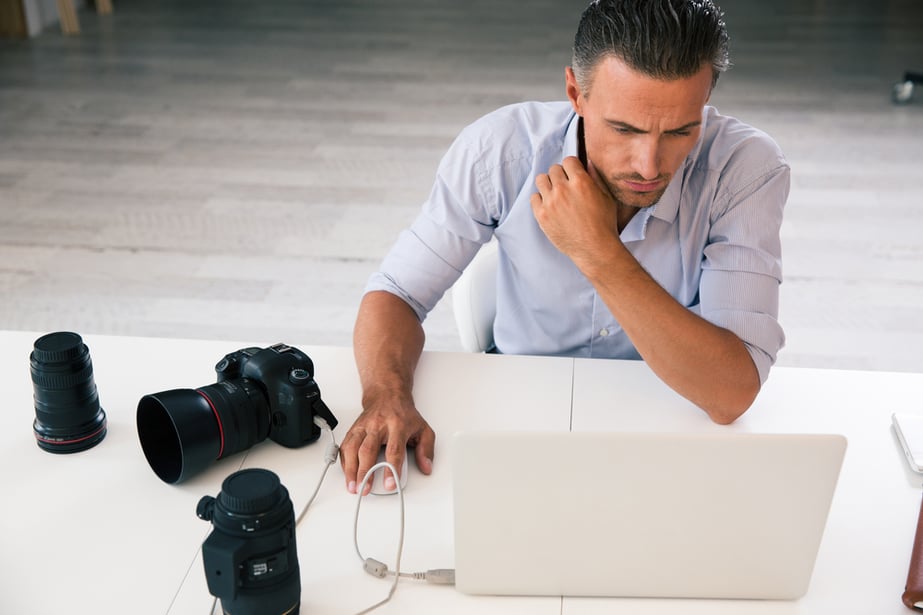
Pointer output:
x,y
732,404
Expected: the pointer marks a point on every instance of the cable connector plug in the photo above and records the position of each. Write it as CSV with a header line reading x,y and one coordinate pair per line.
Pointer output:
x,y
438,576
441,576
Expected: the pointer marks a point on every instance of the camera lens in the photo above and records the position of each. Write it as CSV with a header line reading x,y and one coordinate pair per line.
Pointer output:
x,y
250,558
184,430
68,417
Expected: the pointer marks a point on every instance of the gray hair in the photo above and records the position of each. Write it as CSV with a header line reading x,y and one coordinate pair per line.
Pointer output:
x,y
664,39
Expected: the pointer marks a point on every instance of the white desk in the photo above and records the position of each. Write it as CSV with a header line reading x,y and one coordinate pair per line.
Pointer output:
x,y
862,564
98,532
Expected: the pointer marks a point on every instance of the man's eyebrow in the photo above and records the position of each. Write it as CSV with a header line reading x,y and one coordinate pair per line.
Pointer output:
x,y
635,129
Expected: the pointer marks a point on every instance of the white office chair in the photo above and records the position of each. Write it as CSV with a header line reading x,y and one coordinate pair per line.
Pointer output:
x,y
474,300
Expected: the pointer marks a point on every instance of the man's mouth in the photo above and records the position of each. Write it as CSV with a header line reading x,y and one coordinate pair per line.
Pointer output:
x,y
643,186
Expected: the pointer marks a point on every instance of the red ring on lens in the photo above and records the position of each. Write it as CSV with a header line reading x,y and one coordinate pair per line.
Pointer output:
x,y
218,420
74,441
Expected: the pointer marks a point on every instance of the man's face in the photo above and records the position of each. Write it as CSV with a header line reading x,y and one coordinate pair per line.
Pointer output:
x,y
638,129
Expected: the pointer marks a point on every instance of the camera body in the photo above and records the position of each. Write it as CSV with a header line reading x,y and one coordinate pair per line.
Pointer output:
x,y
286,376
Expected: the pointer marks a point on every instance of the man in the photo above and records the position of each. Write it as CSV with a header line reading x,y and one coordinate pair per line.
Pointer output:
x,y
633,222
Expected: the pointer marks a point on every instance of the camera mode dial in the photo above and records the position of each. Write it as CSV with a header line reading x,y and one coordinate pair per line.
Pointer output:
x,y
299,376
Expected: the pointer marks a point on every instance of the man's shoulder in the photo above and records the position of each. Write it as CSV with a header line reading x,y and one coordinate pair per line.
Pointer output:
x,y
525,122
532,111
729,142
512,138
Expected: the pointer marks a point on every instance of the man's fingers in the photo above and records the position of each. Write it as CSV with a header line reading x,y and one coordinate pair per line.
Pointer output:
x,y
394,454
424,450
358,453
349,458
573,167
557,174
362,446
368,456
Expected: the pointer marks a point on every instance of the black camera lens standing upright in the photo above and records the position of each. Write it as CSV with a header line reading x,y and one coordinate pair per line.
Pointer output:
x,y
68,417
250,558
260,393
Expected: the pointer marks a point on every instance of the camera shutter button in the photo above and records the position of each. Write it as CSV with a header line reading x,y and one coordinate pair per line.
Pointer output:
x,y
299,376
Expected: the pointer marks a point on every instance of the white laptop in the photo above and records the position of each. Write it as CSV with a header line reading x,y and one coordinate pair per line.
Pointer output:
x,y
718,515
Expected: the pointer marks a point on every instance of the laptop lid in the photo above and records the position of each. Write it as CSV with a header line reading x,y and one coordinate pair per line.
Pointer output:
x,y
718,515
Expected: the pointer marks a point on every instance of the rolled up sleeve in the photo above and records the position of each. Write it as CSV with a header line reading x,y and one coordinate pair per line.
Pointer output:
x,y
742,266
455,221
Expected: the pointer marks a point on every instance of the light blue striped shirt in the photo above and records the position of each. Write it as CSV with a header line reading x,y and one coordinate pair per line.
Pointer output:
x,y
712,241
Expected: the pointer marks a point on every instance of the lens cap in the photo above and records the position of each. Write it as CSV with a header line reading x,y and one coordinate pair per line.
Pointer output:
x,y
68,417
251,491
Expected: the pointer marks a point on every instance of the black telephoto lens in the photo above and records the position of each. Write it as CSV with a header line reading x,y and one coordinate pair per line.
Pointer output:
x,y
184,430
68,417
250,558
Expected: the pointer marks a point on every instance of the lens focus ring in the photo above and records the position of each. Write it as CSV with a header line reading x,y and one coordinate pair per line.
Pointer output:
x,y
61,380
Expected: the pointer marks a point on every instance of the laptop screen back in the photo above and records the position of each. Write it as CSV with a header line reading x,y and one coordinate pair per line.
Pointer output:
x,y
655,515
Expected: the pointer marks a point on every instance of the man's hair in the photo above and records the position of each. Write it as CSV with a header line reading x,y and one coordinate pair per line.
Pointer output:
x,y
664,39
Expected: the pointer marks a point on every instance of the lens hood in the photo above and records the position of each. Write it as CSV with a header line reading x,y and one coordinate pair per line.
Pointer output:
x,y
179,432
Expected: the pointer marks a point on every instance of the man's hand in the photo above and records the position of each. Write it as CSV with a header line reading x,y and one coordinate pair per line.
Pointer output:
x,y
396,425
388,341
575,210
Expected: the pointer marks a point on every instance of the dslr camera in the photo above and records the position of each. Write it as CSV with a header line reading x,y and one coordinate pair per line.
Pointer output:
x,y
260,393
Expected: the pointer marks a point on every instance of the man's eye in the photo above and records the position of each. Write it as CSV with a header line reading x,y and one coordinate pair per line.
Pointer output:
x,y
680,133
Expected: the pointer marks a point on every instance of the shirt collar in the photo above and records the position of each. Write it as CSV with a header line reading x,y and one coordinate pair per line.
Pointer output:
x,y
571,144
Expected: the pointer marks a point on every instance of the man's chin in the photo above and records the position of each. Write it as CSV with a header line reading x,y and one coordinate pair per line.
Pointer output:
x,y
639,200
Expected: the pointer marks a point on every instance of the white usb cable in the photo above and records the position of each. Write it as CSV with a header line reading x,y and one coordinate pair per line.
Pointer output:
x,y
330,457
372,566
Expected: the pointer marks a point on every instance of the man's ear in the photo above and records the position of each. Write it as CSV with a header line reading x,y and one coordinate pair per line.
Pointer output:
x,y
574,95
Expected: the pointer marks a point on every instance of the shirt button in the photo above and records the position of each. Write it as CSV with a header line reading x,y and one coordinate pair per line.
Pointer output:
x,y
603,332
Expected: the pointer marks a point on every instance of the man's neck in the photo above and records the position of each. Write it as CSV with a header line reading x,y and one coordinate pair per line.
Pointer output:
x,y
624,214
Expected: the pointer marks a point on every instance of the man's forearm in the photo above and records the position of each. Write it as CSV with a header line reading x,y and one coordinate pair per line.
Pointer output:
x,y
703,362
387,342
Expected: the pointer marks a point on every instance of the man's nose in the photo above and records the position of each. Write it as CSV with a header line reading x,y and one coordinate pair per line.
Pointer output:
x,y
646,159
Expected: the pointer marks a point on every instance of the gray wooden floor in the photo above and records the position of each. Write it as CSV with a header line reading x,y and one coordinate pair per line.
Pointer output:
x,y
236,169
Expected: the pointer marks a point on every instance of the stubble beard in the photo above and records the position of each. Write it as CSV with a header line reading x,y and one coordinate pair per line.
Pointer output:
x,y
627,199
